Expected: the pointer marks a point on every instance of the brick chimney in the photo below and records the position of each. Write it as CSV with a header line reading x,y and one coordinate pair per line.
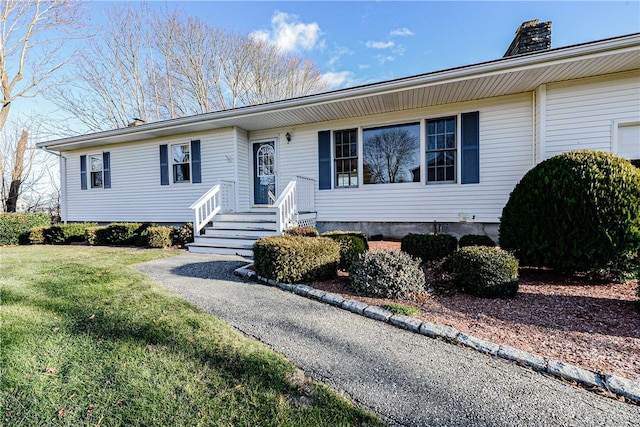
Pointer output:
x,y
531,36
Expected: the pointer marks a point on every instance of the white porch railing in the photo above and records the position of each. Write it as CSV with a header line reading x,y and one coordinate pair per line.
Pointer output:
x,y
219,198
298,196
305,193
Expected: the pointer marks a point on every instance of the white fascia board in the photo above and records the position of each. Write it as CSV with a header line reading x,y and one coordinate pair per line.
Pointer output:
x,y
530,61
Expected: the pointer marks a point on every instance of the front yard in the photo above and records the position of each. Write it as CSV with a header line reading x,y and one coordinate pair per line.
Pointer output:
x,y
86,340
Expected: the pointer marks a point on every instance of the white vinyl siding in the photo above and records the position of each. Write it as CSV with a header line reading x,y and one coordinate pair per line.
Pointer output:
x,y
136,193
506,154
581,113
243,186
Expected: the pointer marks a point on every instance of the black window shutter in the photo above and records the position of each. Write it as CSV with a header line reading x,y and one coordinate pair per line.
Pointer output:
x,y
196,171
324,160
470,166
164,165
83,172
106,168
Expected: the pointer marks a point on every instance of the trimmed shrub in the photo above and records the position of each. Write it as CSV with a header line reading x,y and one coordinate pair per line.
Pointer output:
x,y
36,235
485,272
96,236
476,240
358,234
429,247
66,233
387,274
302,231
352,244
577,212
182,235
125,233
159,237
291,259
14,227
350,248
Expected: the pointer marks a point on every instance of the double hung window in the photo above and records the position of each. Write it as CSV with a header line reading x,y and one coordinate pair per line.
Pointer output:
x,y
346,157
96,168
181,163
95,171
441,150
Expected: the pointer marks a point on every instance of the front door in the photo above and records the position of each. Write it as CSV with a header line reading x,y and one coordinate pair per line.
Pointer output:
x,y
264,173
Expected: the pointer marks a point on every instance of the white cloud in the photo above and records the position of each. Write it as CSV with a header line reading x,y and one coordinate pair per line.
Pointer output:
x,y
382,59
289,34
337,80
338,53
379,45
402,32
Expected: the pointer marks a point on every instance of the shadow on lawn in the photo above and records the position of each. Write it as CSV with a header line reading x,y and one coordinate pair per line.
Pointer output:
x,y
137,313
218,270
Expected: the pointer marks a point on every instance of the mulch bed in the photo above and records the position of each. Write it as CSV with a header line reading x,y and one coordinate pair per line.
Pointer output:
x,y
595,326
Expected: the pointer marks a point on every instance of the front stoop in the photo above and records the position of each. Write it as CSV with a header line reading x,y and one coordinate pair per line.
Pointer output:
x,y
236,233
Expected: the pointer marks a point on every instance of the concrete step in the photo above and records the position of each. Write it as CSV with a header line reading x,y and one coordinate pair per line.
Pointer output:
x,y
246,217
235,233
229,242
243,225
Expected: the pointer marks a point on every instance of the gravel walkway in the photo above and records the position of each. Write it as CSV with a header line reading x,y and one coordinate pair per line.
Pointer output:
x,y
406,378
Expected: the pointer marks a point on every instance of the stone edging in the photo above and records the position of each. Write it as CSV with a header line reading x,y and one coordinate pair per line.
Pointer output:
x,y
612,383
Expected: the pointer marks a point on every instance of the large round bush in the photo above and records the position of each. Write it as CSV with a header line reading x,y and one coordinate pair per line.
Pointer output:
x,y
576,212
387,274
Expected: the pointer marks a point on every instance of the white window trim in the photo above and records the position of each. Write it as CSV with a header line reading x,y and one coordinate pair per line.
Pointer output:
x,y
90,172
334,183
388,123
615,126
252,171
458,170
422,121
173,178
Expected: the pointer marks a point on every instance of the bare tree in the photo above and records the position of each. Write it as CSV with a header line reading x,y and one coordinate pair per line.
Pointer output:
x,y
162,65
32,39
389,156
22,166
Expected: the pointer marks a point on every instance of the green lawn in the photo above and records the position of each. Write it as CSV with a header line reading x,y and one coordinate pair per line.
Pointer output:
x,y
87,340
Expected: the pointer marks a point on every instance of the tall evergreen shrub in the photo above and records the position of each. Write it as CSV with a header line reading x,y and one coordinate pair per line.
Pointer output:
x,y
577,212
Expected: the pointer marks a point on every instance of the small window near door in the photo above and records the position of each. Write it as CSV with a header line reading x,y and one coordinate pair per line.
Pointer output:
x,y
266,161
181,163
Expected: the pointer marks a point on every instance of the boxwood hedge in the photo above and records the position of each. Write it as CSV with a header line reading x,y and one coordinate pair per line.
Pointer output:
x,y
292,259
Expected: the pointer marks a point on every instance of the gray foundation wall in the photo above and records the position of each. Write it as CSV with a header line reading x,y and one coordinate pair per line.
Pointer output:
x,y
397,230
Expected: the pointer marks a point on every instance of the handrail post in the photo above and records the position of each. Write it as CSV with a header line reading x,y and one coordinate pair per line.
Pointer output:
x,y
212,202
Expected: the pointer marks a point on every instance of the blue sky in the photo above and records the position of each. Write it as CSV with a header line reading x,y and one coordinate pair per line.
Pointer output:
x,y
358,42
